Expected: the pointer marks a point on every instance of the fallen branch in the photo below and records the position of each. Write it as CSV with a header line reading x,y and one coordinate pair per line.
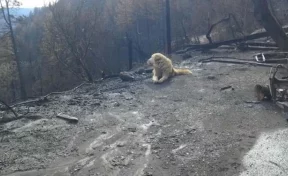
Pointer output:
x,y
67,117
256,48
264,44
6,120
227,42
9,108
221,57
227,47
238,61
44,98
33,117
224,88
270,60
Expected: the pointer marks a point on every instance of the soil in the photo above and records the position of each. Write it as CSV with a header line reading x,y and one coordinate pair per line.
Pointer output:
x,y
184,127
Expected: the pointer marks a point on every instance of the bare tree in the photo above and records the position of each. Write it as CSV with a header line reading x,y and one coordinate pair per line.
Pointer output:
x,y
264,15
5,9
75,33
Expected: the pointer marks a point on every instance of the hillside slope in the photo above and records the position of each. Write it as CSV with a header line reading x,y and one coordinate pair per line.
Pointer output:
x,y
185,127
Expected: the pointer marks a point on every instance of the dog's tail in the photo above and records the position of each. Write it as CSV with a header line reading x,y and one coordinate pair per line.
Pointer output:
x,y
181,71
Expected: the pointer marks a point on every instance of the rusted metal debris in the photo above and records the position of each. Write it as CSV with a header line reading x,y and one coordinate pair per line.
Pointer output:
x,y
272,57
277,90
278,87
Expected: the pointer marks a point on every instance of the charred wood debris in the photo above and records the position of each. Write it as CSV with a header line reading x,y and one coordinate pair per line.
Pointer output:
x,y
269,56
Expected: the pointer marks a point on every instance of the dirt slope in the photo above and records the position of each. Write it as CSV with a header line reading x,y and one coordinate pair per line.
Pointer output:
x,y
185,127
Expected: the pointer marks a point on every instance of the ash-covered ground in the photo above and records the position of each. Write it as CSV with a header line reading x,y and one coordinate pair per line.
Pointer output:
x,y
185,127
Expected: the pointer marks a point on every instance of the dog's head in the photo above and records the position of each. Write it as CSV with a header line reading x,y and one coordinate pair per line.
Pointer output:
x,y
154,58
150,62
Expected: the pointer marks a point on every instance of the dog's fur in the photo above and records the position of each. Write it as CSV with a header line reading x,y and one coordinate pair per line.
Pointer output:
x,y
163,68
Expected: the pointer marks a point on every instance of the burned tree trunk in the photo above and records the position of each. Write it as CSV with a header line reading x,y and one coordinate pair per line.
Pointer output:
x,y
86,70
7,18
130,53
168,28
265,17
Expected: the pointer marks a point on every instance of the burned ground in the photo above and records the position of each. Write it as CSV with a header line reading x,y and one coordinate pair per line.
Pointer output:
x,y
184,127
